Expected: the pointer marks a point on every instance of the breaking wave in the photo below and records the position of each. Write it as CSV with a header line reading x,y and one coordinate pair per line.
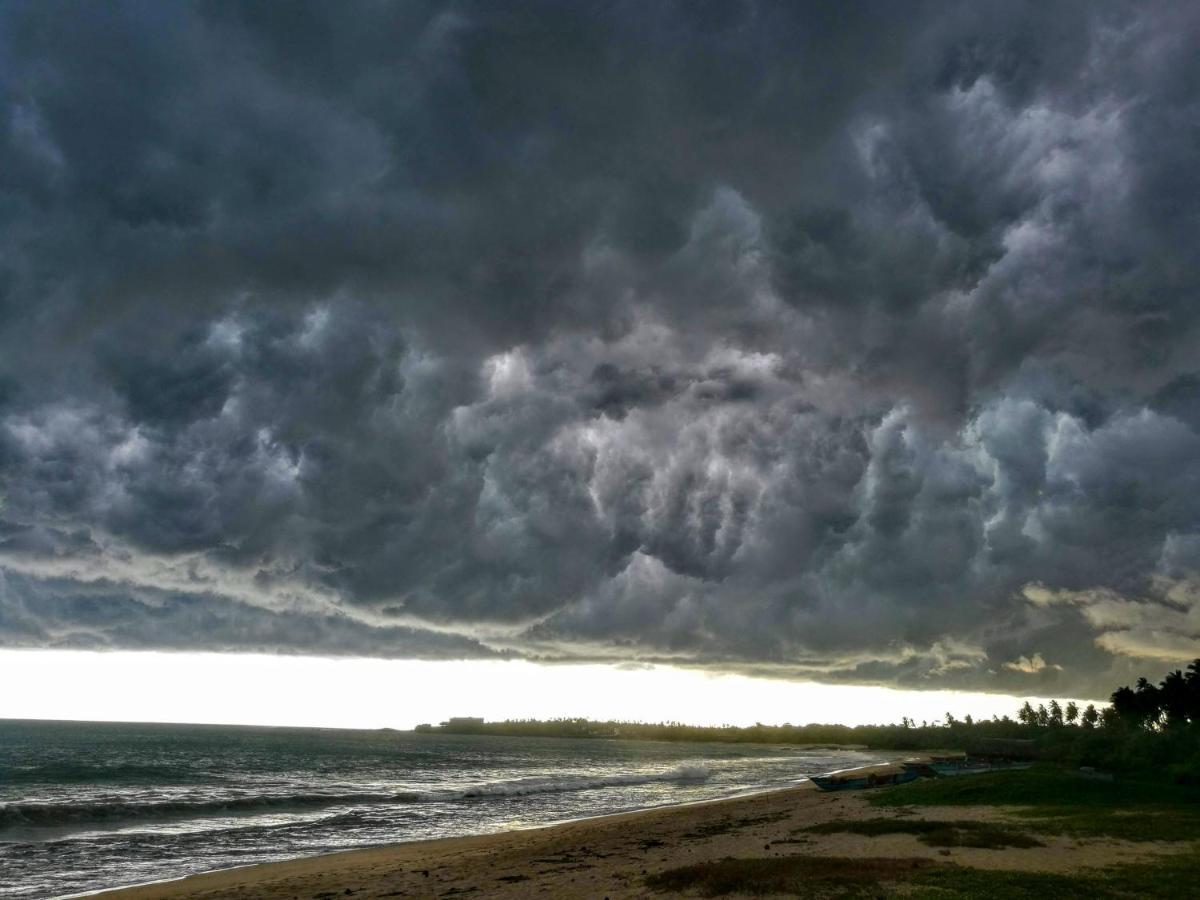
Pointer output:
x,y
51,814
83,812
519,787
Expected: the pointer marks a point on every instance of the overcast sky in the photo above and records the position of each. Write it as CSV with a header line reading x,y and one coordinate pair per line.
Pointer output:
x,y
848,342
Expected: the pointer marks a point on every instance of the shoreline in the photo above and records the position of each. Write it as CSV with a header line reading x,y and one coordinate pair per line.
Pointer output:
x,y
201,883
127,890
396,845
183,885
619,855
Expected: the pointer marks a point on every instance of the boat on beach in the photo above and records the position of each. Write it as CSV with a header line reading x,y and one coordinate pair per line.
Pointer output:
x,y
856,779
936,765
945,765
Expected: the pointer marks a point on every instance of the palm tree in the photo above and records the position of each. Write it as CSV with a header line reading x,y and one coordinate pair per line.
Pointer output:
x,y
1125,706
1149,704
1056,713
1193,672
1026,715
1193,683
1072,712
1174,695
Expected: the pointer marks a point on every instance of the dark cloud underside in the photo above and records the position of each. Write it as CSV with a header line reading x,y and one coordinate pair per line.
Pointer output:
x,y
856,342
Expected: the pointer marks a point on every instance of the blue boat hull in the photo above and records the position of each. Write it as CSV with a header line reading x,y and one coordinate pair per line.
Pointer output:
x,y
834,783
944,770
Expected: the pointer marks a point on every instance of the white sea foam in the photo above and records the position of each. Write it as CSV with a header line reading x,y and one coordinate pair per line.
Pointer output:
x,y
92,811
83,805
553,784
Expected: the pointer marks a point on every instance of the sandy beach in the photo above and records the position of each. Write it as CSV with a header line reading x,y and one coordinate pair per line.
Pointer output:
x,y
612,856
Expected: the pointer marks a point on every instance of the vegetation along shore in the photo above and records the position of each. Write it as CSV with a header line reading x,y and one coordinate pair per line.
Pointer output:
x,y
1148,728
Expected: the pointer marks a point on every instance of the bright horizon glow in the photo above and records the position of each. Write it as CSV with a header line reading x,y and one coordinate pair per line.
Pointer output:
x,y
260,689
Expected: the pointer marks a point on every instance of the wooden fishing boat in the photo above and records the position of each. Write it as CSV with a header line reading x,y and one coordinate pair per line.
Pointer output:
x,y
857,779
946,765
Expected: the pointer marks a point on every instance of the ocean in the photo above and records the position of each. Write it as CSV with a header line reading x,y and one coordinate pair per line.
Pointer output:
x,y
88,806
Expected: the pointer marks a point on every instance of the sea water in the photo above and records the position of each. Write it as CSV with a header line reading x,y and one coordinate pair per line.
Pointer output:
x,y
87,806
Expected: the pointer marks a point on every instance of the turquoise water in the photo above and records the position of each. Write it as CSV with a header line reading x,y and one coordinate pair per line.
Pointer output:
x,y
87,806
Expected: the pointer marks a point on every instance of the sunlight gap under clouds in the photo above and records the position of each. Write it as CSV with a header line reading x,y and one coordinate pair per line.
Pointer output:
x,y
258,689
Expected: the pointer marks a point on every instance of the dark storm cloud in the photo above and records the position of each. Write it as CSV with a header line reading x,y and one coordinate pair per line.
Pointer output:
x,y
857,343
71,615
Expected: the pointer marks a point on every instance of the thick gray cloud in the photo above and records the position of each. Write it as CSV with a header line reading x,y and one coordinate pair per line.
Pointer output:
x,y
850,343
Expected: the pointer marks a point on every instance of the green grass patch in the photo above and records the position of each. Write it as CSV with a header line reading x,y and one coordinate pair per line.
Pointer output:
x,y
804,876
1169,879
1058,801
1048,800
1039,786
935,834
1153,823
840,877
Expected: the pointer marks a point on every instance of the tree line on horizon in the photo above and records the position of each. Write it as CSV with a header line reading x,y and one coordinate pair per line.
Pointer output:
x,y
1172,703
1144,727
